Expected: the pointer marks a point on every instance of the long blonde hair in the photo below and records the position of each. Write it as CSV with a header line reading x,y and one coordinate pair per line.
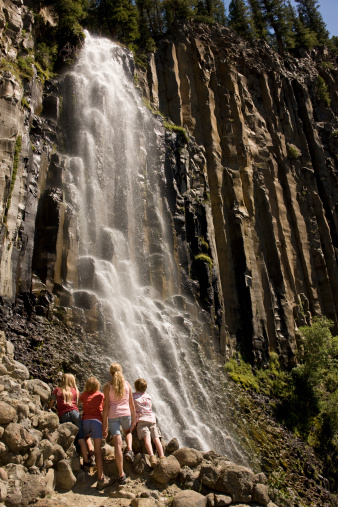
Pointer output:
x,y
117,380
67,383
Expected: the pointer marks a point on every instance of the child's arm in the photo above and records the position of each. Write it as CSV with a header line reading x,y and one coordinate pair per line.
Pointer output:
x,y
105,411
52,400
132,410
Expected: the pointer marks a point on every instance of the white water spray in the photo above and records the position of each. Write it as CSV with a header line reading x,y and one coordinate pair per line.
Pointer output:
x,y
127,264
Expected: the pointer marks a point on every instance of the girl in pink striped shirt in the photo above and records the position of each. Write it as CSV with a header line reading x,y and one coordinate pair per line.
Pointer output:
x,y
119,410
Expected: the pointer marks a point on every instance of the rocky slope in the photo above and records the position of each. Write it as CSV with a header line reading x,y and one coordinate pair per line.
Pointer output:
x,y
39,463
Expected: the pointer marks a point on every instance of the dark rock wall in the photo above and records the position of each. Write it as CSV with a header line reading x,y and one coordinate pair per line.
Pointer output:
x,y
271,151
253,194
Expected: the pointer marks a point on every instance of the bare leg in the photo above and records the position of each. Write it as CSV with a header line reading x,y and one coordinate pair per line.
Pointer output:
x,y
84,449
147,443
159,448
129,439
118,453
89,445
98,457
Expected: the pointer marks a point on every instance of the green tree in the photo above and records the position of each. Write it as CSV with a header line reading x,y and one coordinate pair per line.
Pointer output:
x,y
258,22
277,16
177,9
119,18
239,18
210,11
311,18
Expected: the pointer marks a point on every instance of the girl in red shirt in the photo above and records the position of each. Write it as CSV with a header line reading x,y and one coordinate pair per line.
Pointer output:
x,y
92,402
66,397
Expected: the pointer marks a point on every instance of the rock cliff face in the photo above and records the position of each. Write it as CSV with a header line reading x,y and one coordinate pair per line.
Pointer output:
x,y
255,188
271,147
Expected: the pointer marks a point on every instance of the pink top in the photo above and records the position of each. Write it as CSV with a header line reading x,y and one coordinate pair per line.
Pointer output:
x,y
62,406
143,407
119,408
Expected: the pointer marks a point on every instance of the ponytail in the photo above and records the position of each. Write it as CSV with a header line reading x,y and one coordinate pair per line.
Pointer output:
x,y
117,380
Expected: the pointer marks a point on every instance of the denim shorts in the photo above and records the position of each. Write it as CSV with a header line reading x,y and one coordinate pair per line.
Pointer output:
x,y
114,424
92,428
74,417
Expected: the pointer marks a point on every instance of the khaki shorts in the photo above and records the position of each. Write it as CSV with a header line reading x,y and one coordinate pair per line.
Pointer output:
x,y
145,428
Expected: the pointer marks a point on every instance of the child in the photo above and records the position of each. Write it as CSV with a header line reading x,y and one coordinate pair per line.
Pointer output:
x,y
146,420
92,402
118,409
66,397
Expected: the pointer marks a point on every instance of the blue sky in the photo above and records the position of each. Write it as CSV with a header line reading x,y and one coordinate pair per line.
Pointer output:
x,y
327,8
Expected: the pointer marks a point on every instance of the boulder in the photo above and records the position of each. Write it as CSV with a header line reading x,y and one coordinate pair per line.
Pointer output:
x,y
65,434
260,494
64,477
20,371
50,481
18,439
33,487
189,498
222,500
188,457
237,481
166,469
48,420
58,453
34,454
3,491
36,386
172,446
7,413
209,475
46,448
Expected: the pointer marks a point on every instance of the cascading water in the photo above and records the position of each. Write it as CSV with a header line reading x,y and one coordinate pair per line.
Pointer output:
x,y
126,249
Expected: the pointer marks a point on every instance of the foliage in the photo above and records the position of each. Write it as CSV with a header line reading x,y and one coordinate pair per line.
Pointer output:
x,y
306,398
311,18
293,151
239,18
204,258
322,91
334,133
177,129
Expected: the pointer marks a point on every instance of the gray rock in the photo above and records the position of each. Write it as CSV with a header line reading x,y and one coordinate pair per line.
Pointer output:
x,y
237,481
209,475
166,469
260,494
172,446
188,457
189,498
3,491
58,453
48,420
36,386
46,448
64,476
7,413
18,439
50,481
65,434
222,500
33,487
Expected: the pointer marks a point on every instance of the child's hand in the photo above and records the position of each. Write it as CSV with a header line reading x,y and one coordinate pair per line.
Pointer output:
x,y
104,433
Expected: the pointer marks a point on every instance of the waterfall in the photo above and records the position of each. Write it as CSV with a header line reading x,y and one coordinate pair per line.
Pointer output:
x,y
127,268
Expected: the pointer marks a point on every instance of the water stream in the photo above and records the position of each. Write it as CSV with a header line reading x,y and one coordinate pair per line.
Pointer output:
x,y
126,255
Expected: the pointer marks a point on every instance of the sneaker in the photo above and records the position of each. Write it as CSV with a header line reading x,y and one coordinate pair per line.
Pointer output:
x,y
153,460
129,455
122,479
86,466
104,482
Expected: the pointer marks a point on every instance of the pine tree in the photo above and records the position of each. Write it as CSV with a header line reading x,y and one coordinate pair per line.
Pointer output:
x,y
119,18
303,36
210,11
177,9
258,22
311,18
239,19
278,18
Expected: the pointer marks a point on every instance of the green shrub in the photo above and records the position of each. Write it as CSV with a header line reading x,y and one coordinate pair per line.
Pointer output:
x,y
177,129
327,65
293,151
334,133
204,258
322,91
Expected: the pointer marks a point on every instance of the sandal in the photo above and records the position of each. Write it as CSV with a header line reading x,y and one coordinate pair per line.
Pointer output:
x,y
129,455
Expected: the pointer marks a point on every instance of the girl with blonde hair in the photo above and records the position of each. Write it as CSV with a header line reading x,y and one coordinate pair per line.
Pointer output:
x,y
119,410
66,397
